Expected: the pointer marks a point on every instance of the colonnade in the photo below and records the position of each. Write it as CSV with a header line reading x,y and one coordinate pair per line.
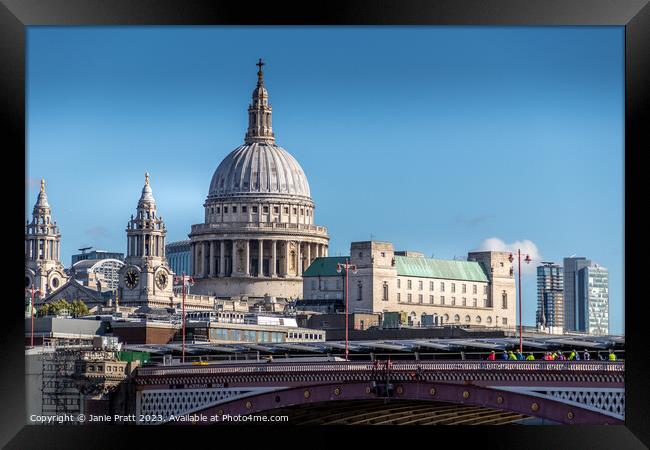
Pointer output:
x,y
146,245
253,257
43,249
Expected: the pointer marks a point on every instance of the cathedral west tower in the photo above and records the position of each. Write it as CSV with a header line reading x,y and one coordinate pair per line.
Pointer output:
x,y
43,269
146,279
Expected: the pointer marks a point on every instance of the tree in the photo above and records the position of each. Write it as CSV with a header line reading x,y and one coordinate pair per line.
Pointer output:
x,y
53,308
78,308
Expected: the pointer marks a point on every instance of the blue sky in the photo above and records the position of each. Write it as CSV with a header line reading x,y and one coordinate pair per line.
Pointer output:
x,y
438,139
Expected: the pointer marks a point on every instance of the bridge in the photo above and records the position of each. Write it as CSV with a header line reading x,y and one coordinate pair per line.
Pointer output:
x,y
567,392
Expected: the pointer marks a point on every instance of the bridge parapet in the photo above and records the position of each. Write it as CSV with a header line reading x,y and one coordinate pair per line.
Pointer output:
x,y
463,366
593,387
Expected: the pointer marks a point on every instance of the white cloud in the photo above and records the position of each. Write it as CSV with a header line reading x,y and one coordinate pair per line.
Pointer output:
x,y
527,248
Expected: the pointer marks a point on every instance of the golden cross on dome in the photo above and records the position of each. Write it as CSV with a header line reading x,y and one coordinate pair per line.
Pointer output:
x,y
146,178
260,63
42,184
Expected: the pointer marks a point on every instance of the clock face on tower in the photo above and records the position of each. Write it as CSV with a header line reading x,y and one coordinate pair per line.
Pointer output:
x,y
131,278
161,280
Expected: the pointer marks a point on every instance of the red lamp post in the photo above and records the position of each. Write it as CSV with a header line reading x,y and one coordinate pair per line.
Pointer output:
x,y
40,292
183,280
528,260
347,267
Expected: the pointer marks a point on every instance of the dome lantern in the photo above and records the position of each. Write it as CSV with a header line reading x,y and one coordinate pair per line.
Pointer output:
x,y
259,112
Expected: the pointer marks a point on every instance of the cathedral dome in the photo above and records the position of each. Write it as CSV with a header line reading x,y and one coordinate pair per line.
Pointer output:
x,y
259,168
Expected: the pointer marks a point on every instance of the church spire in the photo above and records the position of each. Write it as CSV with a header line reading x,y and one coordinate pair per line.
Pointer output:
x,y
41,202
146,199
259,112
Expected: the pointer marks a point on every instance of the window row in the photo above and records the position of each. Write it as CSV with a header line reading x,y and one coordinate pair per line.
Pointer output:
x,y
441,284
477,319
255,209
443,300
297,335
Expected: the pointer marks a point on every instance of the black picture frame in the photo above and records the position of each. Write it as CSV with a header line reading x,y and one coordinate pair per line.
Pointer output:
x,y
634,15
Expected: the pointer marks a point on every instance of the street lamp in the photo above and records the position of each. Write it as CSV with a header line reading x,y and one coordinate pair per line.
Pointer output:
x,y
40,293
189,280
347,267
528,260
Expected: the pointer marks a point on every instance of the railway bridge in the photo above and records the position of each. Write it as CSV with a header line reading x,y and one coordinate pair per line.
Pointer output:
x,y
567,392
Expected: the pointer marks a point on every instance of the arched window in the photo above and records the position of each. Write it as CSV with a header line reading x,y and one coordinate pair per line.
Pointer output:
x,y
385,291
478,319
468,319
456,318
445,318
504,300
359,291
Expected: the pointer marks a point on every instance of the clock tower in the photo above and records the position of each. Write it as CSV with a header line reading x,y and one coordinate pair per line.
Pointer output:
x,y
146,279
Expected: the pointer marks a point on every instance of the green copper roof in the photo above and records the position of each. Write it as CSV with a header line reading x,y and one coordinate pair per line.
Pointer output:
x,y
324,267
439,268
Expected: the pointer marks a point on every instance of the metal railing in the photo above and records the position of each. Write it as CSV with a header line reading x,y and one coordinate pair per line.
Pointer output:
x,y
362,367
283,226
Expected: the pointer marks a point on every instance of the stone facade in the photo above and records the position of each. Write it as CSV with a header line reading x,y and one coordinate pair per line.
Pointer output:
x,y
259,233
502,292
145,278
43,269
479,291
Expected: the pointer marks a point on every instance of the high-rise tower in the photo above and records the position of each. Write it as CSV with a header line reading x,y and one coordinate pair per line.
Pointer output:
x,y
550,295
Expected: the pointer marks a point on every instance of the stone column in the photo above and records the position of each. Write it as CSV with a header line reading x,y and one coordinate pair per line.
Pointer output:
x,y
222,258
233,258
247,258
299,259
213,259
274,256
286,258
194,268
308,254
260,258
204,251
142,245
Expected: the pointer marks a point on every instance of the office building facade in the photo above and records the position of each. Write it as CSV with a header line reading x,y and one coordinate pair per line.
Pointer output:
x,y
550,296
586,296
96,254
479,291
179,257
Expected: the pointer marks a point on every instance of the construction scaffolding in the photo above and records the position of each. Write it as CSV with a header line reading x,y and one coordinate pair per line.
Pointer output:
x,y
59,392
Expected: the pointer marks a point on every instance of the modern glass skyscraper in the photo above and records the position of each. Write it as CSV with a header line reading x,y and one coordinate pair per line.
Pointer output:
x,y
571,267
550,295
586,296
179,257
597,289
